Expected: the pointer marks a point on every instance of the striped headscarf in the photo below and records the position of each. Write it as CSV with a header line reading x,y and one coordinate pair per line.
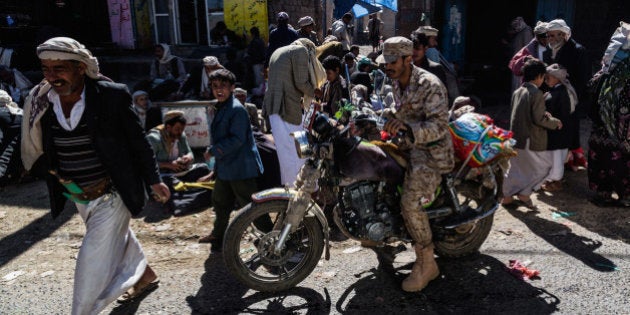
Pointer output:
x,y
65,48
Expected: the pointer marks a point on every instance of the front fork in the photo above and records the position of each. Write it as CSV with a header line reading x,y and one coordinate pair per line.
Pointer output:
x,y
300,203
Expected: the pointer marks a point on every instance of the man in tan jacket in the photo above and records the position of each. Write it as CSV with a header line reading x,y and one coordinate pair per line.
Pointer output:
x,y
295,75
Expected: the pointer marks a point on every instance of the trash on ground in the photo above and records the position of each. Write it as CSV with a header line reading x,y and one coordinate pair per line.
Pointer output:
x,y
46,273
12,275
163,227
613,267
519,270
562,214
352,250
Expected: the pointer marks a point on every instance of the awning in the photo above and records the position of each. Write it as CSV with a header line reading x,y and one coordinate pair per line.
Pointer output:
x,y
390,4
362,8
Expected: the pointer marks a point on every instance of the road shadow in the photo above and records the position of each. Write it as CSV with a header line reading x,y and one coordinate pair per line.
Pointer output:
x,y
155,212
562,237
610,222
31,194
479,284
220,293
13,245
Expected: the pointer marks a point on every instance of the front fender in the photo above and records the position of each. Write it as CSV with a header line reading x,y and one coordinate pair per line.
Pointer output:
x,y
313,209
273,194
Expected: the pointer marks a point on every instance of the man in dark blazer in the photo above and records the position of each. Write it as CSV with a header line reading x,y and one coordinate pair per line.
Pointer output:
x,y
81,134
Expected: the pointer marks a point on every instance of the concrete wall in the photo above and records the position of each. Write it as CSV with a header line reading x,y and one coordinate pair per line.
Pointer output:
x,y
296,9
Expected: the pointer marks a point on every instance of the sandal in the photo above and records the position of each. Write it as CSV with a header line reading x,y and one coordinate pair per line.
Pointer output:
x,y
139,289
527,203
507,202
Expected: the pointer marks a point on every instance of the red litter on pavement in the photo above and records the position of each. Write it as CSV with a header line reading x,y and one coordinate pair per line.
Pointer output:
x,y
517,269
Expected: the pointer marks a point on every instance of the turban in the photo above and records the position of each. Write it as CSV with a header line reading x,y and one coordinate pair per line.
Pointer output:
x,y
428,31
561,74
172,114
65,48
559,25
7,101
211,61
305,21
540,28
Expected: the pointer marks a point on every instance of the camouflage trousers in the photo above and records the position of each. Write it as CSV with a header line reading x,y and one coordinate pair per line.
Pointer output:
x,y
418,184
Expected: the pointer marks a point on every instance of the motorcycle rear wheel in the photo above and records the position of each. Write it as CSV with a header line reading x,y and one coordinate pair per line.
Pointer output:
x,y
466,239
247,250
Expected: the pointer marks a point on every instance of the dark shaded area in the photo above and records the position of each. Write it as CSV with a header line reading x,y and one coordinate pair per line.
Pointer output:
x,y
220,293
476,285
580,247
610,222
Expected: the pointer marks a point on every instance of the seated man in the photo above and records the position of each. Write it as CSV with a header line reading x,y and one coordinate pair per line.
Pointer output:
x,y
252,110
167,75
175,160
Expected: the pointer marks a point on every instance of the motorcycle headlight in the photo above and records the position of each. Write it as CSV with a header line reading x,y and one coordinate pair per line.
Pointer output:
x,y
302,145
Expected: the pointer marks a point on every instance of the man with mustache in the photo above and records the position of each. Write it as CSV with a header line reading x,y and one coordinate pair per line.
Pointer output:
x,y
82,135
421,111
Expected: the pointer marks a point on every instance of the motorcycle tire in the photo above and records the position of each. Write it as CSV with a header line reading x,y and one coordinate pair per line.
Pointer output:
x,y
465,240
306,244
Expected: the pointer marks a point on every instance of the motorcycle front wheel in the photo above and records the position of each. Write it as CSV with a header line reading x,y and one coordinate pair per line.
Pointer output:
x,y
248,248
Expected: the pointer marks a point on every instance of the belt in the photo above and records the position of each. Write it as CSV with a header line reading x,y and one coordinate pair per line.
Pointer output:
x,y
93,191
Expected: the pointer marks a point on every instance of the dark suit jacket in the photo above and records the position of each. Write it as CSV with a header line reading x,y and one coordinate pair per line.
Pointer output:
x,y
118,138
574,58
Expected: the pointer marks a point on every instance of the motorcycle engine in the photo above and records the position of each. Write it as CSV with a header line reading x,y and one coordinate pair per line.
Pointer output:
x,y
369,210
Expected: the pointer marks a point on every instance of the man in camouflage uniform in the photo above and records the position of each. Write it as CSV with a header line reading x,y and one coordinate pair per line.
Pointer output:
x,y
421,111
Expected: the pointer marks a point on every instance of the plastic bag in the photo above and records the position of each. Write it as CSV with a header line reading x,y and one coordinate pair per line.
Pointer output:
x,y
475,134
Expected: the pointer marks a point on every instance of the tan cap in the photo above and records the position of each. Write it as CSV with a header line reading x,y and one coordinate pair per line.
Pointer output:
x,y
395,47
240,91
428,30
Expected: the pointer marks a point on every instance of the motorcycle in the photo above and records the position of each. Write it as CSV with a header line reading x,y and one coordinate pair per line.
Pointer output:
x,y
360,181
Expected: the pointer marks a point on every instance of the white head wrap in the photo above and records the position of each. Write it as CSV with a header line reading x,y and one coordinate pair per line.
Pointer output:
x,y
7,101
540,28
559,25
65,48
316,71
5,98
210,61
166,57
561,74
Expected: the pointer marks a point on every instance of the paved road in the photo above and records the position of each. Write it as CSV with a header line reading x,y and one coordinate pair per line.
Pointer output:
x,y
583,254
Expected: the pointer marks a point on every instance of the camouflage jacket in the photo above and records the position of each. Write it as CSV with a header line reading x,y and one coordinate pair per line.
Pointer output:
x,y
423,106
